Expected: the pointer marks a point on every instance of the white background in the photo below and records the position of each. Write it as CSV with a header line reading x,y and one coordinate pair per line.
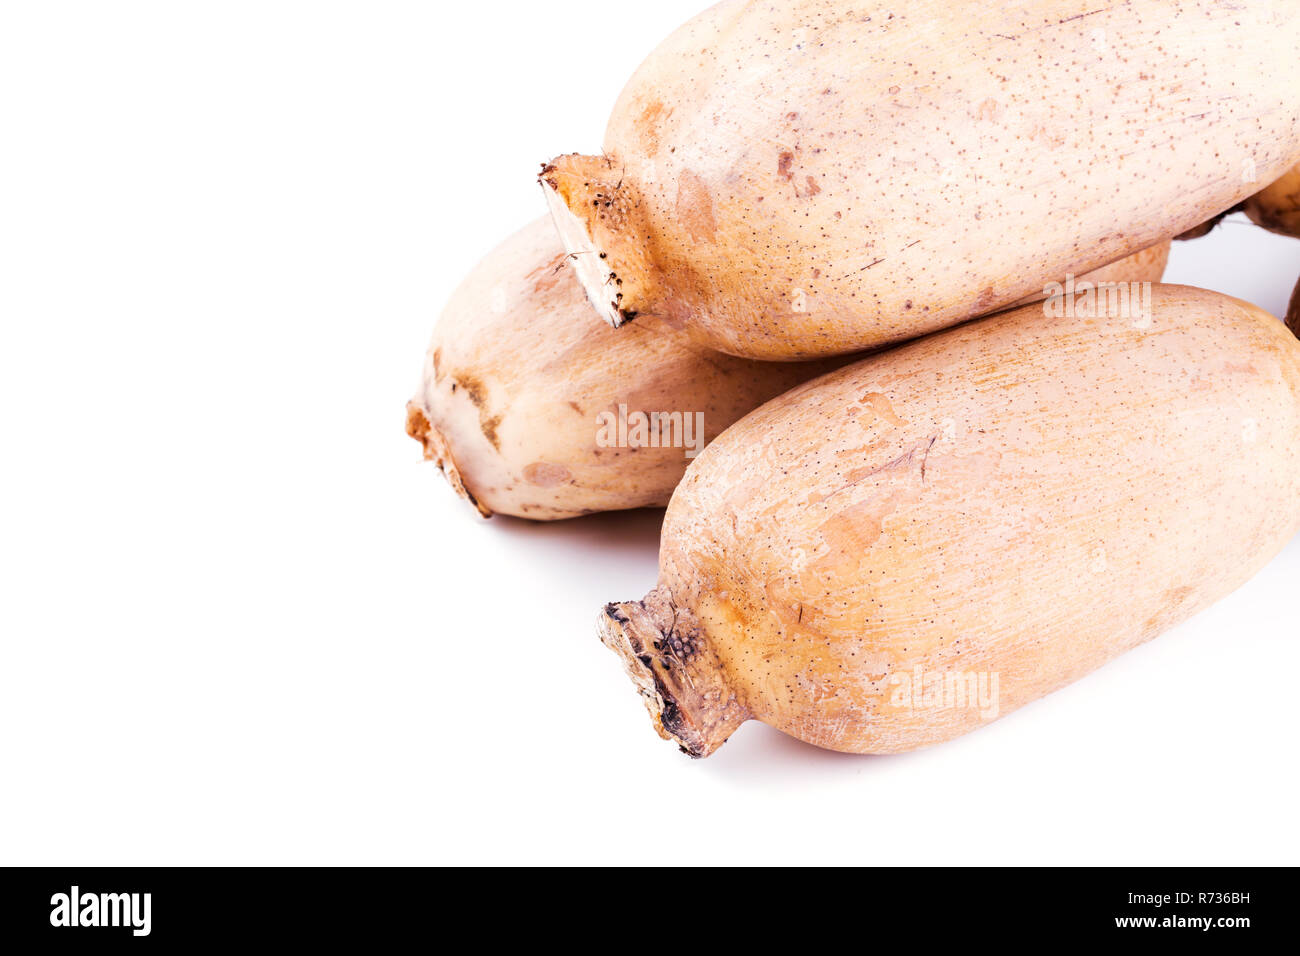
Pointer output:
x,y
241,622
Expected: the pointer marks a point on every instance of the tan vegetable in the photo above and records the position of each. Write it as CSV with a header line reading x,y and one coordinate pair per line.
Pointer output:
x,y
813,178
1277,208
994,511
520,371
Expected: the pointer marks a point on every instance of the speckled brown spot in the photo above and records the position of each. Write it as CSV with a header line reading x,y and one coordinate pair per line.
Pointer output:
x,y
852,531
545,475
987,298
471,386
547,277
649,124
784,165
490,425
474,390
880,404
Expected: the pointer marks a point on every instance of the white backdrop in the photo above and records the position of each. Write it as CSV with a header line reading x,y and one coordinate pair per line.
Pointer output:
x,y
241,622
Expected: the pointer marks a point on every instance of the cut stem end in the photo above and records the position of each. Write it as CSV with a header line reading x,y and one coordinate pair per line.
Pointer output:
x,y
678,677
598,215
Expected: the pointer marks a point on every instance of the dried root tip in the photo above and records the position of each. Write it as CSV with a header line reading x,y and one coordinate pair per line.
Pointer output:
x,y
436,450
678,677
600,219
1207,227
1277,206
1293,313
